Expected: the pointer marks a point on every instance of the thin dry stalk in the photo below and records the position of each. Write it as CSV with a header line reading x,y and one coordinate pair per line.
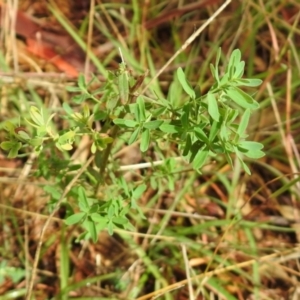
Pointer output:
x,y
187,43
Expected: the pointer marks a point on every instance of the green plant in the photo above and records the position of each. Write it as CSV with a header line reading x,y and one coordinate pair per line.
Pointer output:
x,y
203,127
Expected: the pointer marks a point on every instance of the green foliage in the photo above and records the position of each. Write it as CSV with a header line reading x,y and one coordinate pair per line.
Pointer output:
x,y
203,127
15,274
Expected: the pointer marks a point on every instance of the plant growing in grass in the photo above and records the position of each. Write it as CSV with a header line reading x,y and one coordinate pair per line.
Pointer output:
x,y
203,127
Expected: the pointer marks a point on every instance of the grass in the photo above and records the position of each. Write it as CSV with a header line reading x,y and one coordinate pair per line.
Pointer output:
x,y
221,234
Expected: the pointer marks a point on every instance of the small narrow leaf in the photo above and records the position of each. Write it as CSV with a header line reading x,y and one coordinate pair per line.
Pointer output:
x,y
36,116
185,116
23,135
169,128
215,128
81,82
137,193
82,196
188,145
91,228
250,146
241,98
10,127
74,219
244,122
7,145
145,140
153,124
214,73
239,70
141,107
134,136
14,150
233,63
251,82
255,154
201,135
130,123
200,158
67,108
213,109
184,83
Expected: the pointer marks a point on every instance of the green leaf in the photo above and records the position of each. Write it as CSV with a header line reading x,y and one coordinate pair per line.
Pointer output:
x,y
110,228
188,145
134,136
185,115
67,137
86,111
120,220
119,122
224,133
23,135
218,56
240,158
141,109
200,134
244,122
82,196
245,167
214,73
145,140
74,219
251,149
239,69
41,131
112,101
110,212
73,89
36,116
7,145
66,146
231,114
233,63
138,192
255,154
248,82
215,69
224,80
196,146
91,228
185,84
81,82
200,158
101,220
169,128
213,109
93,148
250,146
14,150
153,124
36,142
10,127
100,115
214,130
67,108
241,98
53,191
130,123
